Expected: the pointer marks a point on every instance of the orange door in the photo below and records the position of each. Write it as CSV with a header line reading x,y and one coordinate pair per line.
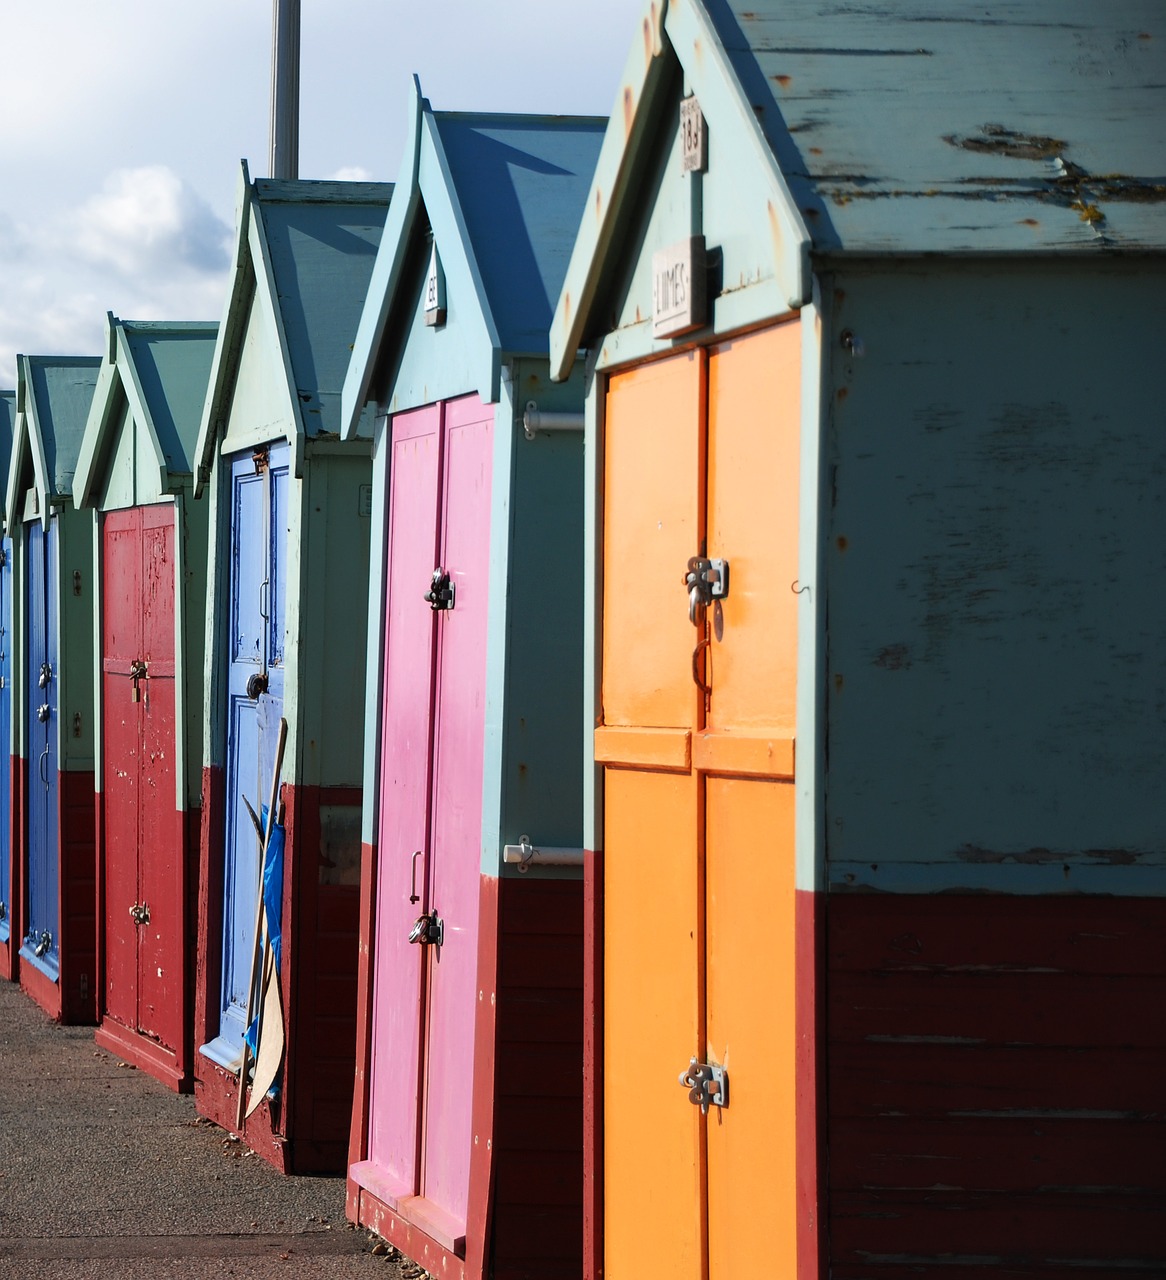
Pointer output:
x,y
700,458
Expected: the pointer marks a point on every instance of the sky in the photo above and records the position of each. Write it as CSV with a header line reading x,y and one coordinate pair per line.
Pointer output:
x,y
122,124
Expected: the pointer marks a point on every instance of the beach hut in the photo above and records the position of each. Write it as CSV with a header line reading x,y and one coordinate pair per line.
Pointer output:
x,y
136,473
467,1117
870,297
9,866
53,668
285,640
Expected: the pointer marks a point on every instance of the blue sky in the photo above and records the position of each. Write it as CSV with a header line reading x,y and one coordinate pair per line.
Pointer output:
x,y
122,125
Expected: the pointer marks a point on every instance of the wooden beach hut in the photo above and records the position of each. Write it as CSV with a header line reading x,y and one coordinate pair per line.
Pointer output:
x,y
9,866
136,474
289,506
870,298
467,1117
53,669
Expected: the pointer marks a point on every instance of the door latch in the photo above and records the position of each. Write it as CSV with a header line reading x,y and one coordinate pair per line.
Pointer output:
x,y
43,712
140,913
46,674
137,673
44,942
707,1085
441,591
3,910
705,581
428,930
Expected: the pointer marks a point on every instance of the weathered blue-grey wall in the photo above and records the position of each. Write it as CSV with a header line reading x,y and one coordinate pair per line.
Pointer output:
x,y
997,578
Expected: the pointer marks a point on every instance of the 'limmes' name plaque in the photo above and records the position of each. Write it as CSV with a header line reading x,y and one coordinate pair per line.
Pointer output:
x,y
679,293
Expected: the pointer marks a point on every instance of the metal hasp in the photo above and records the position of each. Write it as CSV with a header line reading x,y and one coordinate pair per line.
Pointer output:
x,y
441,591
46,675
44,942
3,910
428,930
43,712
137,673
707,1085
706,581
140,913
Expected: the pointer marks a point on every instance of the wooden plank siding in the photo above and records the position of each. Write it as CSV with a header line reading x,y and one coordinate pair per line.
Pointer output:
x,y
995,1084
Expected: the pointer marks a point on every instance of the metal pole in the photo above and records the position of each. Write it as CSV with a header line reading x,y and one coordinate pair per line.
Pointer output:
x,y
285,89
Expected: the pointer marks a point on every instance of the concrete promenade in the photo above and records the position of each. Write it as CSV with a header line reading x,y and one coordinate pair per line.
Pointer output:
x,y
104,1173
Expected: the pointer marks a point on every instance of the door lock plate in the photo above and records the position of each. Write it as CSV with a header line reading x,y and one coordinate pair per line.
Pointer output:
x,y
707,1085
441,591
705,581
428,930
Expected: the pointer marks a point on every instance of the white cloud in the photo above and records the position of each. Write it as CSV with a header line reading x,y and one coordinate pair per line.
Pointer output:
x,y
145,246
351,173
147,218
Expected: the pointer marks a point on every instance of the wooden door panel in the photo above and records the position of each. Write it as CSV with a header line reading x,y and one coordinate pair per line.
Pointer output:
x,y
456,841
120,758
405,778
653,469
43,819
9,913
749,976
754,424
160,941
654,1224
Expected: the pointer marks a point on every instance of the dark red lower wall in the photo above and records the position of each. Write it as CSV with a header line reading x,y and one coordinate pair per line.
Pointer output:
x,y
996,1086
72,999
304,1130
537,1209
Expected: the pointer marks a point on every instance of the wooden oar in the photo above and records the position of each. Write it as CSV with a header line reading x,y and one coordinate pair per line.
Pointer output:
x,y
279,746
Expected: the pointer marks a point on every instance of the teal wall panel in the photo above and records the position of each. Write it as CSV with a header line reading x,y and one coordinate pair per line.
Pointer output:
x,y
995,561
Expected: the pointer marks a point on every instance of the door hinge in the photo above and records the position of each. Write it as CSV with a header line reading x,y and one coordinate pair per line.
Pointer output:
x,y
707,1085
441,591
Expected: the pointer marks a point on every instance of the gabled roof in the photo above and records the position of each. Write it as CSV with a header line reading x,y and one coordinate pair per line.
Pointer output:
x,y
904,127
53,395
503,195
160,370
7,432
305,250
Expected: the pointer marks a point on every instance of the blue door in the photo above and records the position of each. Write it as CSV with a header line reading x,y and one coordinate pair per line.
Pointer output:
x,y
255,646
6,910
41,942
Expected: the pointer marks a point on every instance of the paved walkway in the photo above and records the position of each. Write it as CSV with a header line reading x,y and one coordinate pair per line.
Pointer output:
x,y
104,1173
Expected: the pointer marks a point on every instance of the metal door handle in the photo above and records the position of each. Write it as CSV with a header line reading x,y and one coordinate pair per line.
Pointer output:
x,y
41,767
414,896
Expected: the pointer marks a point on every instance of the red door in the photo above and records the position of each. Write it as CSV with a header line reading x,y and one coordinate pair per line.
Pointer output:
x,y
142,827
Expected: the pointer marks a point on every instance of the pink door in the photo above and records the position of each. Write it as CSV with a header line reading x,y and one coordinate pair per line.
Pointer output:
x,y
429,842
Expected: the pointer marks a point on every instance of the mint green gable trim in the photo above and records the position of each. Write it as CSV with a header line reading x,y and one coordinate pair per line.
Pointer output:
x,y
17,468
118,381
477,356
677,29
386,277
235,313
30,438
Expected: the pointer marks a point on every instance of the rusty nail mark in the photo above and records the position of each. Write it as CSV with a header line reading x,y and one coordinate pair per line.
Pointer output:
x,y
843,392
842,542
838,683
1029,222
629,108
784,81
